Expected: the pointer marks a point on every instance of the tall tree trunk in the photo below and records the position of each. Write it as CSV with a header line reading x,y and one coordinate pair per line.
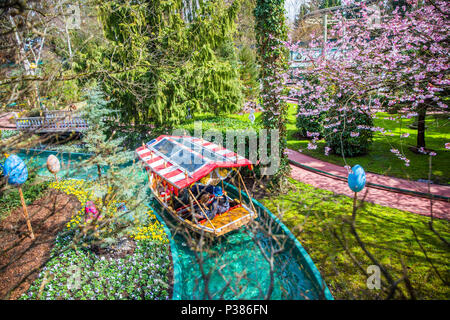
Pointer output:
x,y
271,31
421,126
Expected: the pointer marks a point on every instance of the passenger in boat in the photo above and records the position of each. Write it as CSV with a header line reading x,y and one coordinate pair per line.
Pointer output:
x,y
204,202
218,205
198,190
182,199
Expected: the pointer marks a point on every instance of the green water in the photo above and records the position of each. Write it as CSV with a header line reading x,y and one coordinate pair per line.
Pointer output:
x,y
235,266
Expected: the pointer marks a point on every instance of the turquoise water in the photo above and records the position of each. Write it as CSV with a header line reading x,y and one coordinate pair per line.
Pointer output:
x,y
242,263
235,265
69,164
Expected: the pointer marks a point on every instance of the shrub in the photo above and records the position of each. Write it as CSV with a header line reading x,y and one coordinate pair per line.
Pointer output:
x,y
5,134
310,118
310,123
219,126
352,135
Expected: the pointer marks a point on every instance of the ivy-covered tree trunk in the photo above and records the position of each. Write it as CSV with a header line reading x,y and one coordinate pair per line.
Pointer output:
x,y
271,32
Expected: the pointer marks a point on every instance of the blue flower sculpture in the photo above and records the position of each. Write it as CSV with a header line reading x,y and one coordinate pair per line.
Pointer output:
x,y
357,178
16,170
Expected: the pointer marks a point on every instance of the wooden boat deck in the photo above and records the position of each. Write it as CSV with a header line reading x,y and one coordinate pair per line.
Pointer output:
x,y
227,217
223,223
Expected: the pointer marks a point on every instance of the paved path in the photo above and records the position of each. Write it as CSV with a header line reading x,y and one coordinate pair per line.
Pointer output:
x,y
441,209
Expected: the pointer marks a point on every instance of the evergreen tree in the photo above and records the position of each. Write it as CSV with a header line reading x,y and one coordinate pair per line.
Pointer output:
x,y
108,152
249,72
179,60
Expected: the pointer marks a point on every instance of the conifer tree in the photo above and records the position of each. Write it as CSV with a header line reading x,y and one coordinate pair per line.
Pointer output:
x,y
179,60
108,152
249,71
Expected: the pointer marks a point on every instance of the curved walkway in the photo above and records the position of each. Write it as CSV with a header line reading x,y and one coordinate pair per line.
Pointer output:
x,y
419,205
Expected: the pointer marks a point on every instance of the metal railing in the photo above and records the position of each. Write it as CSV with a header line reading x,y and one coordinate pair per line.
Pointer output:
x,y
52,123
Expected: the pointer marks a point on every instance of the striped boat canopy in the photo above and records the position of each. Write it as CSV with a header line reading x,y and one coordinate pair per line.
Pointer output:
x,y
183,160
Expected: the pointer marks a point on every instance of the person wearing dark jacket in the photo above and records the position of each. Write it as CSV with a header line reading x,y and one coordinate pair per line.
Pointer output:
x,y
218,205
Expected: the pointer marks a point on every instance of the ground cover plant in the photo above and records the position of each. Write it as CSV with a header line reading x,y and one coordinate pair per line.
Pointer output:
x,y
319,220
136,266
82,274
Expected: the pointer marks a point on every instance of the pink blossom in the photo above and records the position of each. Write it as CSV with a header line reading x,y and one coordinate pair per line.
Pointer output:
x,y
395,151
312,146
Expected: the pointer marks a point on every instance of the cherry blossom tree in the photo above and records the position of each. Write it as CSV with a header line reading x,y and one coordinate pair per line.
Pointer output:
x,y
399,60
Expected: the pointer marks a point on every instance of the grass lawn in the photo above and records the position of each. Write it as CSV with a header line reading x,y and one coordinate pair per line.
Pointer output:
x,y
315,215
380,160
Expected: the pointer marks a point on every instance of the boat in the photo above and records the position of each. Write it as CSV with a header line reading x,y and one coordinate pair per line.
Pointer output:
x,y
183,169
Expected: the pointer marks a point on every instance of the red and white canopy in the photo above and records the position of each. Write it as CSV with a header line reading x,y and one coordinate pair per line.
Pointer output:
x,y
183,160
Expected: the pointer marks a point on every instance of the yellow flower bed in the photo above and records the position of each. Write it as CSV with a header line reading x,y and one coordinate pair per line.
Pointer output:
x,y
153,230
76,188
150,229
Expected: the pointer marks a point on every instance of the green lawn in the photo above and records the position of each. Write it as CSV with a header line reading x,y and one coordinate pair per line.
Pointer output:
x,y
380,159
314,214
